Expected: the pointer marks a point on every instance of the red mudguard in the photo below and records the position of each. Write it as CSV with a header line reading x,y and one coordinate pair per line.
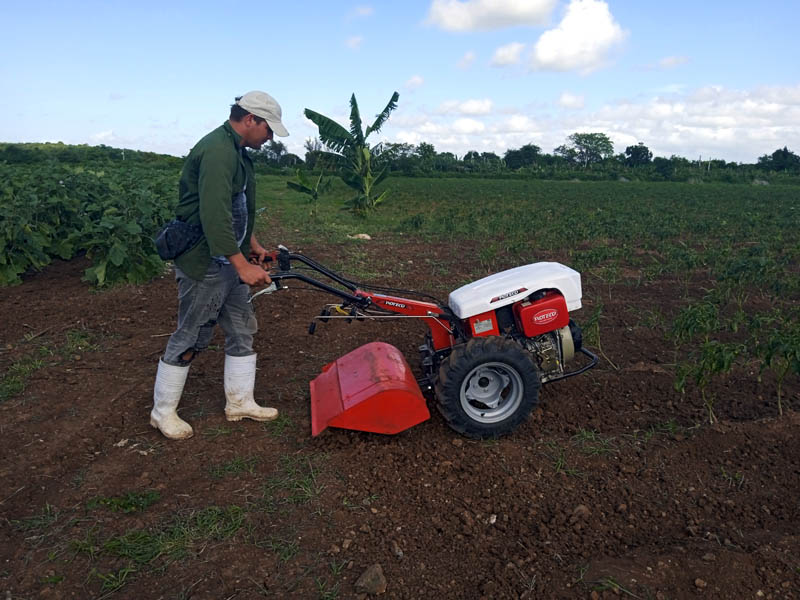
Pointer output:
x,y
371,389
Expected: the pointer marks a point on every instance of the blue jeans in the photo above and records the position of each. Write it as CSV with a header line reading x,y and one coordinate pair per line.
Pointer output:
x,y
219,298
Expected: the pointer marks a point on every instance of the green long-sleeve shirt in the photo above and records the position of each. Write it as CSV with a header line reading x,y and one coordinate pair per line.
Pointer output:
x,y
214,172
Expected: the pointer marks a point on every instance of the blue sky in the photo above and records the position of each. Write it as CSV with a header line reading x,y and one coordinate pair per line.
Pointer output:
x,y
717,79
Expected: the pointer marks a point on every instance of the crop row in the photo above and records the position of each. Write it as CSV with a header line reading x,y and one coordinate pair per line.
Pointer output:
x,y
60,212
730,255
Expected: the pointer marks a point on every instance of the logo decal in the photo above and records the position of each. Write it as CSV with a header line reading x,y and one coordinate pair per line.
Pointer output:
x,y
545,316
508,295
391,303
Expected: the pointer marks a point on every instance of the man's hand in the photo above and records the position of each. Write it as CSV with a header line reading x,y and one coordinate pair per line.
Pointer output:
x,y
258,253
249,273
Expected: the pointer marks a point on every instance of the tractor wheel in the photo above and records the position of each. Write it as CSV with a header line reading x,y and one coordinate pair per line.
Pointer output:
x,y
487,387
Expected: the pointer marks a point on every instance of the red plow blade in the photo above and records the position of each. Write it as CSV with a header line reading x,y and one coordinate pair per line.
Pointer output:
x,y
370,389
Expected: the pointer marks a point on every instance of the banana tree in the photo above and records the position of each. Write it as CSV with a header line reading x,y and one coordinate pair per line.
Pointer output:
x,y
350,152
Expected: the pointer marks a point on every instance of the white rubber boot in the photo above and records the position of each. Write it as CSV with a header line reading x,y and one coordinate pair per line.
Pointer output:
x,y
240,379
166,396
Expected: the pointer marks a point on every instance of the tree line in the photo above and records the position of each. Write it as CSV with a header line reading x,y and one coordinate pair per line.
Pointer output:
x,y
582,156
585,156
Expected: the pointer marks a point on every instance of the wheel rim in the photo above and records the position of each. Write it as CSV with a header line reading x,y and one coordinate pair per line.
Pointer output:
x,y
491,392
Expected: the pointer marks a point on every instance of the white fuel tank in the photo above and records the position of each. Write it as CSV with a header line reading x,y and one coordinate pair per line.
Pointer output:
x,y
507,287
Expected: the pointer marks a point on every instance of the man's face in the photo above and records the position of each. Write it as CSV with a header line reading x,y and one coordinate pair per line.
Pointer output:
x,y
257,133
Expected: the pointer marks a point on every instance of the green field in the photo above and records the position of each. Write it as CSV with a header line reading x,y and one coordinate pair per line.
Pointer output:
x,y
690,299
658,227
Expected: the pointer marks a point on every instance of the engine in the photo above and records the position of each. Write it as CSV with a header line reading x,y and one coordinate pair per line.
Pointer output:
x,y
530,304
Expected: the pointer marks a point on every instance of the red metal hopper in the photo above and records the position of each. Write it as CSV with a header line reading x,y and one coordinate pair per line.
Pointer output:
x,y
371,389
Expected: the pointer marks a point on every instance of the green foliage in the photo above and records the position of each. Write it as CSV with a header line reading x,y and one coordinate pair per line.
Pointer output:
x,y
586,148
60,212
638,155
696,320
780,352
522,157
308,185
782,159
714,358
355,161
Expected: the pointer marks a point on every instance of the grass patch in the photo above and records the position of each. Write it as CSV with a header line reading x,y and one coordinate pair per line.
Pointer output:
x,y
283,548
127,503
325,590
295,481
44,520
16,376
115,580
592,443
176,539
235,466
558,456
280,427
13,381
77,341
88,544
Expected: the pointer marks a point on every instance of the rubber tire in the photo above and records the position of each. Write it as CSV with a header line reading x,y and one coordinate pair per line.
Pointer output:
x,y
461,362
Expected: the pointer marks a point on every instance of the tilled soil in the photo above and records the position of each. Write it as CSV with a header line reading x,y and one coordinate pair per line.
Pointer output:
x,y
615,486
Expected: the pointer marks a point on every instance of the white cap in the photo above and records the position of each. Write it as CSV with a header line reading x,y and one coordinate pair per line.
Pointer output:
x,y
263,105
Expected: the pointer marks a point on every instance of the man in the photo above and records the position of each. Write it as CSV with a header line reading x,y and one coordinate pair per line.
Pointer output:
x,y
217,192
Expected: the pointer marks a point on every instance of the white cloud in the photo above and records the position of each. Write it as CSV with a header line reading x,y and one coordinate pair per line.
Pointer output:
x,y
713,121
517,124
581,41
481,15
467,107
414,83
507,55
670,62
468,126
466,60
354,43
567,100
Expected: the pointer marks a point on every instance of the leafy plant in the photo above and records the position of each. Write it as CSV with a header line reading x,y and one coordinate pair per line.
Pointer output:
x,y
700,319
312,188
592,332
714,358
355,160
781,353
62,211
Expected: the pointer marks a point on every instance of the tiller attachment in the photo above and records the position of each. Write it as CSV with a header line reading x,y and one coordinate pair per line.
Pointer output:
x,y
370,389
